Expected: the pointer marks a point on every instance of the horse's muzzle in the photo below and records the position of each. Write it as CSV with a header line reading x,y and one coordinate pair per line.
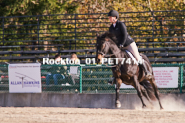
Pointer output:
x,y
99,58
98,61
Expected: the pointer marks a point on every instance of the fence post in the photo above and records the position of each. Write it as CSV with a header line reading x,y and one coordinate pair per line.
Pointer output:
x,y
153,29
75,31
80,79
3,31
181,77
38,28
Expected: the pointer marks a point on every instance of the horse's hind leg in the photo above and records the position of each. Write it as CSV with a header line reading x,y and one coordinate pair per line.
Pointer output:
x,y
118,84
156,92
138,88
143,90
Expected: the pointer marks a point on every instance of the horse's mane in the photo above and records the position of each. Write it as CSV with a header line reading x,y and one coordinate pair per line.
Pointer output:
x,y
113,40
110,36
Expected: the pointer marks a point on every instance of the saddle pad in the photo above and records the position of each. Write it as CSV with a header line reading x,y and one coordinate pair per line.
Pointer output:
x,y
132,57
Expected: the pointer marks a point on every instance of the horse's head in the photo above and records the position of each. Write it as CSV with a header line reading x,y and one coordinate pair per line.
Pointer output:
x,y
103,44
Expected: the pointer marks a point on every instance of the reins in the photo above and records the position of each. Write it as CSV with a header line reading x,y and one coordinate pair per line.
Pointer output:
x,y
104,55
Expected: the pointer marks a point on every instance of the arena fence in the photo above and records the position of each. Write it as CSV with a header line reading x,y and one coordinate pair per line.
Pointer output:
x,y
158,34
85,79
78,31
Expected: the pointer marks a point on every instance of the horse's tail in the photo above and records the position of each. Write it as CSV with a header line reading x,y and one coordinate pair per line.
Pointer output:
x,y
148,88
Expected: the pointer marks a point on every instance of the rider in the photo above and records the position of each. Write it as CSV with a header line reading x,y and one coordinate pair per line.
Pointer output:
x,y
119,29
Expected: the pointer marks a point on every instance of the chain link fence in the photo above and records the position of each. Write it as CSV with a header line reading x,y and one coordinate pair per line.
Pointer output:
x,y
60,78
85,79
4,84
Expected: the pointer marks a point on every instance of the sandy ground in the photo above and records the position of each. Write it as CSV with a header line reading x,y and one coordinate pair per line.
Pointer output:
x,y
86,115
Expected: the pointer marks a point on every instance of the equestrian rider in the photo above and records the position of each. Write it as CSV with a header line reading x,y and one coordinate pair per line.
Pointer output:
x,y
119,29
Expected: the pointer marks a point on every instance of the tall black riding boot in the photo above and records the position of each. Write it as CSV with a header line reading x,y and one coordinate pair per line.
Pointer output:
x,y
147,73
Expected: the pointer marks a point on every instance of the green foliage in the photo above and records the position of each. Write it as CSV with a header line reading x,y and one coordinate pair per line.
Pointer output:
x,y
57,27
161,27
35,7
28,29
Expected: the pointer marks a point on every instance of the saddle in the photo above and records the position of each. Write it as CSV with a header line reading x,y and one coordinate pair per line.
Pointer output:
x,y
132,56
141,64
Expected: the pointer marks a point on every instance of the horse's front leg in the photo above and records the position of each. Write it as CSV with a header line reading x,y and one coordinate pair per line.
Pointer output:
x,y
118,84
138,88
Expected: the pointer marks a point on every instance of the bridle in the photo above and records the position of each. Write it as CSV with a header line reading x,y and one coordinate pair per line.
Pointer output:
x,y
103,54
100,52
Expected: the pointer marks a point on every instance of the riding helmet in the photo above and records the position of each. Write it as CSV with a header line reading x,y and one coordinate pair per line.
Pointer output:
x,y
113,13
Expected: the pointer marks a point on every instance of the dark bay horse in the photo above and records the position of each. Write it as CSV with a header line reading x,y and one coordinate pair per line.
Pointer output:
x,y
127,72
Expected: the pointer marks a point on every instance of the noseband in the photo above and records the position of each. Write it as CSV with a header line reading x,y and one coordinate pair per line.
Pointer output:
x,y
100,52
104,55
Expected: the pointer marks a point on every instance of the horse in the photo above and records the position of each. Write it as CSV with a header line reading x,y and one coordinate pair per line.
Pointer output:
x,y
127,71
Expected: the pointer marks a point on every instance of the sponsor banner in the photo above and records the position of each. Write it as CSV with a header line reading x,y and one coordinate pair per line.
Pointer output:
x,y
24,78
165,77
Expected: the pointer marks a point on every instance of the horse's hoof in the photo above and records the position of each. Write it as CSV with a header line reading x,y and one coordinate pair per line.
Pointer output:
x,y
118,104
144,107
161,108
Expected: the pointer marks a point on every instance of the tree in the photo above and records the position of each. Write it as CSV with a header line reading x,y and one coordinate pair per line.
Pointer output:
x,y
26,28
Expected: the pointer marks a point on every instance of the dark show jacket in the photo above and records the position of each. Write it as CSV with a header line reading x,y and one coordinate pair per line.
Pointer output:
x,y
120,31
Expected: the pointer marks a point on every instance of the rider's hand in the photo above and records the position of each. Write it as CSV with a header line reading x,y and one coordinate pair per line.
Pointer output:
x,y
120,46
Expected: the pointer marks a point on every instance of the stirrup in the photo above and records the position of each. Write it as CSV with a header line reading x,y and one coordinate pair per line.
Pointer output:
x,y
148,75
